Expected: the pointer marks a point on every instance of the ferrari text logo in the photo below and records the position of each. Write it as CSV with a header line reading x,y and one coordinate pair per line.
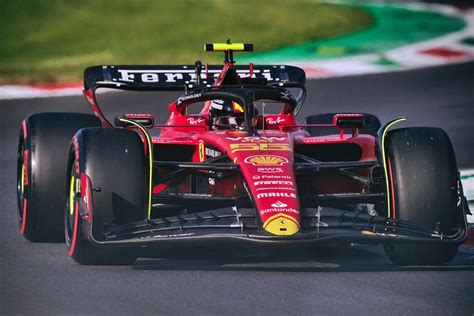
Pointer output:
x,y
179,75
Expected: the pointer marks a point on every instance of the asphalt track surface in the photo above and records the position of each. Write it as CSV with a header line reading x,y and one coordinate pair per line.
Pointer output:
x,y
39,279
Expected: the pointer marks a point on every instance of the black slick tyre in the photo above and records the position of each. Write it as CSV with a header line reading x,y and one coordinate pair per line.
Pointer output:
x,y
43,147
106,188
327,118
424,182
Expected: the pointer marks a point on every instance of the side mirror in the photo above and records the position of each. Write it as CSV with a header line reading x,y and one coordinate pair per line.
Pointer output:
x,y
350,120
145,120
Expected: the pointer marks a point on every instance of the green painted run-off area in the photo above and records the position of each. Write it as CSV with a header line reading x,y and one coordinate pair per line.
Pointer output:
x,y
393,27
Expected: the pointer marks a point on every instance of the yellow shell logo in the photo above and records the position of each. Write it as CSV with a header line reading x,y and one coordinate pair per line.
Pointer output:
x,y
267,160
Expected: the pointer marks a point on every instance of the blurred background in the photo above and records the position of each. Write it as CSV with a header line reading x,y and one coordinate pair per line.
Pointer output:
x,y
53,41
50,41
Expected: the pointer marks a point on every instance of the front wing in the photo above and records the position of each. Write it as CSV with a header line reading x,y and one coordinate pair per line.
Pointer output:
x,y
319,225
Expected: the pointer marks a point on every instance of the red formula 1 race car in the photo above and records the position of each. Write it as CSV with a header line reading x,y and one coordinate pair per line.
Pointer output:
x,y
238,170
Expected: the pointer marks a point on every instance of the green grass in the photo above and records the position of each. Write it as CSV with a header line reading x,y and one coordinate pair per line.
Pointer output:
x,y
54,40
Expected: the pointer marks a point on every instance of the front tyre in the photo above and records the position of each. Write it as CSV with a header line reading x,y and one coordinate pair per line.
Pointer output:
x,y
425,186
106,188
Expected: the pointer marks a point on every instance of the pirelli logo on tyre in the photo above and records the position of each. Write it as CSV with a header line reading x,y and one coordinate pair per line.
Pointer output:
x,y
266,160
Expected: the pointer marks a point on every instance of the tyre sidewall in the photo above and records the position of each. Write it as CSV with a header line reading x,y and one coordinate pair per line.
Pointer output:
x,y
113,160
47,141
425,186
425,178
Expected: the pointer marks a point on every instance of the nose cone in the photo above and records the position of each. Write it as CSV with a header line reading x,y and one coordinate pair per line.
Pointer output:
x,y
281,224
266,163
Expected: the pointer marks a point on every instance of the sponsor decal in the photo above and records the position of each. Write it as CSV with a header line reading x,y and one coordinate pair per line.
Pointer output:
x,y
257,183
269,170
159,140
195,120
278,210
232,132
279,204
172,75
188,97
266,176
157,75
266,160
217,104
285,95
276,194
316,141
258,146
212,153
137,115
273,121
145,76
255,139
270,176
275,188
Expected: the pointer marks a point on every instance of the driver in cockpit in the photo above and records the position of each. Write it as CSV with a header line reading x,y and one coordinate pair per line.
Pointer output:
x,y
227,114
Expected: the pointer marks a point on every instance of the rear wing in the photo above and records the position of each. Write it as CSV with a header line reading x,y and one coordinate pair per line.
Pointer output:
x,y
180,77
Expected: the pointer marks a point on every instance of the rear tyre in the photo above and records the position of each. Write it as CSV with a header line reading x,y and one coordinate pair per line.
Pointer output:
x,y
110,164
41,165
327,118
425,189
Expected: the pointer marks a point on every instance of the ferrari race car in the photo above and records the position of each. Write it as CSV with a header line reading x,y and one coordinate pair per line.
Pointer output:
x,y
233,165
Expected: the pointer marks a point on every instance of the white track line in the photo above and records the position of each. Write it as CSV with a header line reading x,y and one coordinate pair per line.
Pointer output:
x,y
27,92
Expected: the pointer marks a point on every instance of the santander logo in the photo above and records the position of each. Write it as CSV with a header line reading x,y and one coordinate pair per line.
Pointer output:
x,y
279,204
